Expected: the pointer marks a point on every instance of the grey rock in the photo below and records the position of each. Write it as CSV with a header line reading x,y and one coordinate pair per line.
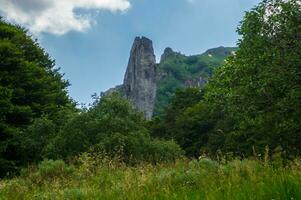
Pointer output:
x,y
221,51
168,52
142,78
140,81
118,88
196,82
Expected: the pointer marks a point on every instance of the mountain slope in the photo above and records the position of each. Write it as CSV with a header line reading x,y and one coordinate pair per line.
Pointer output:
x,y
176,71
150,86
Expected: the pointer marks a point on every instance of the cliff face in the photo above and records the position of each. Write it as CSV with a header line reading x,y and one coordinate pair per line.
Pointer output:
x,y
150,86
198,82
140,81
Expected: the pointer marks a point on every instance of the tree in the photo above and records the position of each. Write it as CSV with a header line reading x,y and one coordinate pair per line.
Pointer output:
x,y
253,100
177,122
259,88
192,128
30,87
110,126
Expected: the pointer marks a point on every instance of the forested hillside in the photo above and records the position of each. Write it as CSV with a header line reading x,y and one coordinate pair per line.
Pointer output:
x,y
177,71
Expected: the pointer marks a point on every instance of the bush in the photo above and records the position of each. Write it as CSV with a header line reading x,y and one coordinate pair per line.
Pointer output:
x,y
112,126
138,147
163,151
208,163
49,170
35,138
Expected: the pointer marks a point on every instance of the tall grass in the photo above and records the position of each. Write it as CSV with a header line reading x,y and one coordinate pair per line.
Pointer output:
x,y
100,178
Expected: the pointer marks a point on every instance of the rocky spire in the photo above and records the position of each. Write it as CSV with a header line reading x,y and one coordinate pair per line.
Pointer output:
x,y
167,52
140,78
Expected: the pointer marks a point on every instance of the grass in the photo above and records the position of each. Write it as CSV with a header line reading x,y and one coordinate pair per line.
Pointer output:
x,y
91,178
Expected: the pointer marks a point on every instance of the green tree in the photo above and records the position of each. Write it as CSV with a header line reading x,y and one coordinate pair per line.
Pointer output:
x,y
259,88
180,121
253,100
30,87
111,126
193,127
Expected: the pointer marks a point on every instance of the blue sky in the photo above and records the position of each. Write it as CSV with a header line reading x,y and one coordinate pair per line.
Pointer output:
x,y
93,54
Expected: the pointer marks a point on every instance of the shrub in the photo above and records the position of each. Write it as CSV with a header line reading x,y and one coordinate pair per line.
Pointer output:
x,y
163,151
49,170
112,126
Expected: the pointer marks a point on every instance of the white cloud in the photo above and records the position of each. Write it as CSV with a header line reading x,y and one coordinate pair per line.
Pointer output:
x,y
56,16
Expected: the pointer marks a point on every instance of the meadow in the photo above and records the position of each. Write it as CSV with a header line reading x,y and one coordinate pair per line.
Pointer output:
x,y
90,177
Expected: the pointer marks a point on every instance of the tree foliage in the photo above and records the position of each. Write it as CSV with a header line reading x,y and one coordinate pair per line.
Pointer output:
x,y
30,87
251,103
114,127
259,88
253,100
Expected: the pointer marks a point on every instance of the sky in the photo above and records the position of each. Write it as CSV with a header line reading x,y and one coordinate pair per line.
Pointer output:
x,y
90,40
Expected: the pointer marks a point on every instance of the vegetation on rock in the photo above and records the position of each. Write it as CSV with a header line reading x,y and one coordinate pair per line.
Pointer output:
x,y
177,71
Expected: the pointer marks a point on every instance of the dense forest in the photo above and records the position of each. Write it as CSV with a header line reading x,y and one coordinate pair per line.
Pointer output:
x,y
248,109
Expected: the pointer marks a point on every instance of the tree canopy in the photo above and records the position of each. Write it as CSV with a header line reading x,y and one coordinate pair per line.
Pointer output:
x,y
30,87
253,100
259,88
